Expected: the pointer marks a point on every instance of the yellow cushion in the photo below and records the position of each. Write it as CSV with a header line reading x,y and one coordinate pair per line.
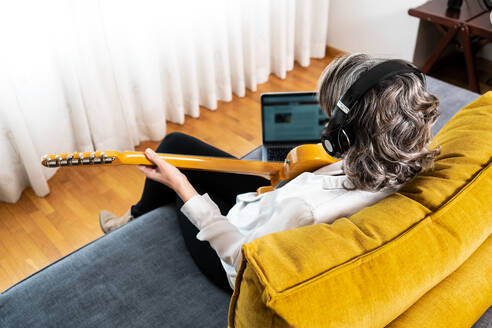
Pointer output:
x,y
366,270
462,297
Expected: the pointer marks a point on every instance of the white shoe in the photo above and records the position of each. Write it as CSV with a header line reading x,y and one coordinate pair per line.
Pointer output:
x,y
109,222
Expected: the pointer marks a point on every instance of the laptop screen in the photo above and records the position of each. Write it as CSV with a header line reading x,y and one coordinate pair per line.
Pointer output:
x,y
291,117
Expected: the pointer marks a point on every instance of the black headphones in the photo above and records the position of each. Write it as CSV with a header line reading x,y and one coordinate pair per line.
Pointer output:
x,y
337,136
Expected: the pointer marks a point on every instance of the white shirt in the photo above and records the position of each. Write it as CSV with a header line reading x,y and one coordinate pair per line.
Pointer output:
x,y
310,198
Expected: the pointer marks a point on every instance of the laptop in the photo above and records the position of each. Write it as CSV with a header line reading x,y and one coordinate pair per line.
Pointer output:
x,y
289,119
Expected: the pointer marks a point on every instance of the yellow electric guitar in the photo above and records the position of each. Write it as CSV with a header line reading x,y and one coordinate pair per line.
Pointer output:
x,y
300,159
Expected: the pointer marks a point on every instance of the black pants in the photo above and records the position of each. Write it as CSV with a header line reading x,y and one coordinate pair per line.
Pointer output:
x,y
221,187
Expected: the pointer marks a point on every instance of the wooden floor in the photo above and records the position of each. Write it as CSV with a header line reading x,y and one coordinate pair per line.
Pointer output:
x,y
35,231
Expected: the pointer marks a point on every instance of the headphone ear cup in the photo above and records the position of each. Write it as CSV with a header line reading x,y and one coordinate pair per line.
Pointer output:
x,y
343,141
336,143
327,145
331,142
327,140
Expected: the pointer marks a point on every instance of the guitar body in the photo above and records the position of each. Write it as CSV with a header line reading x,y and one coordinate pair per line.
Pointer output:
x,y
303,158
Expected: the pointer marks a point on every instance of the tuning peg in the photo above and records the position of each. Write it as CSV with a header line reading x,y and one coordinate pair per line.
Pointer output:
x,y
96,160
47,161
74,161
51,162
61,161
71,160
84,160
106,159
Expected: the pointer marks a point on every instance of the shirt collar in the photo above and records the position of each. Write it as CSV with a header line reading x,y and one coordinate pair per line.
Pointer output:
x,y
334,178
330,169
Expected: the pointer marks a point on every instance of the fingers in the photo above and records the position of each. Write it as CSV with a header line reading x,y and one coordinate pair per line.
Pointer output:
x,y
162,172
152,156
145,168
149,172
158,172
156,160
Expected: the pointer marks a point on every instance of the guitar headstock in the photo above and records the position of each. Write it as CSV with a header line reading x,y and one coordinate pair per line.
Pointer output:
x,y
78,159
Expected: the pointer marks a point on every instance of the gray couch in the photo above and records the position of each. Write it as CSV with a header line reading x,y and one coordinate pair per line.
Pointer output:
x,y
141,275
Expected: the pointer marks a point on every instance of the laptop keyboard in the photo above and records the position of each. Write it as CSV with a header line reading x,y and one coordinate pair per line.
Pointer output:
x,y
277,154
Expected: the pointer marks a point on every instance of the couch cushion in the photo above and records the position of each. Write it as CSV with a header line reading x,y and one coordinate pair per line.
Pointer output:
x,y
461,297
364,271
138,276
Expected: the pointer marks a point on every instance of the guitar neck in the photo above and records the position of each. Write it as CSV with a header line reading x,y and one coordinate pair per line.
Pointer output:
x,y
217,164
302,158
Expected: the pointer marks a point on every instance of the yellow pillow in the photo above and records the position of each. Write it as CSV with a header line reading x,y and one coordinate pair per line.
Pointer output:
x,y
457,301
364,271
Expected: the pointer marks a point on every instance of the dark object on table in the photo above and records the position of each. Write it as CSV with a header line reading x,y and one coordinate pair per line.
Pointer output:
x,y
455,4
488,4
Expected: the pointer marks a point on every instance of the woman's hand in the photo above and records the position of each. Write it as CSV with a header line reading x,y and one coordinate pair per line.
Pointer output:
x,y
168,175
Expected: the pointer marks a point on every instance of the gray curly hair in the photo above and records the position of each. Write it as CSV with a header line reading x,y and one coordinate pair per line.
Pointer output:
x,y
391,124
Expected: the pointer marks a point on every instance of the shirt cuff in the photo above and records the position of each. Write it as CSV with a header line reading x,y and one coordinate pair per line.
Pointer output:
x,y
200,210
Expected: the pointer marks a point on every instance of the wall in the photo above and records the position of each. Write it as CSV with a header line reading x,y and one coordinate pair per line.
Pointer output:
x,y
380,27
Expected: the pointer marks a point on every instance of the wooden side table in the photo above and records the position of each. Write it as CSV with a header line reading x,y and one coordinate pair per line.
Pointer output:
x,y
471,20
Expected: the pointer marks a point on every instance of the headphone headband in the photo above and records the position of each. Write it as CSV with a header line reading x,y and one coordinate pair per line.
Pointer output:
x,y
336,137
373,76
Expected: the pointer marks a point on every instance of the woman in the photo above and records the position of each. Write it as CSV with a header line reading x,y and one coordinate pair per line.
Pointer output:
x,y
390,126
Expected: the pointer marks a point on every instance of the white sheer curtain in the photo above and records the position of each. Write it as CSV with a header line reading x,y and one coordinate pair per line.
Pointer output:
x,y
79,75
